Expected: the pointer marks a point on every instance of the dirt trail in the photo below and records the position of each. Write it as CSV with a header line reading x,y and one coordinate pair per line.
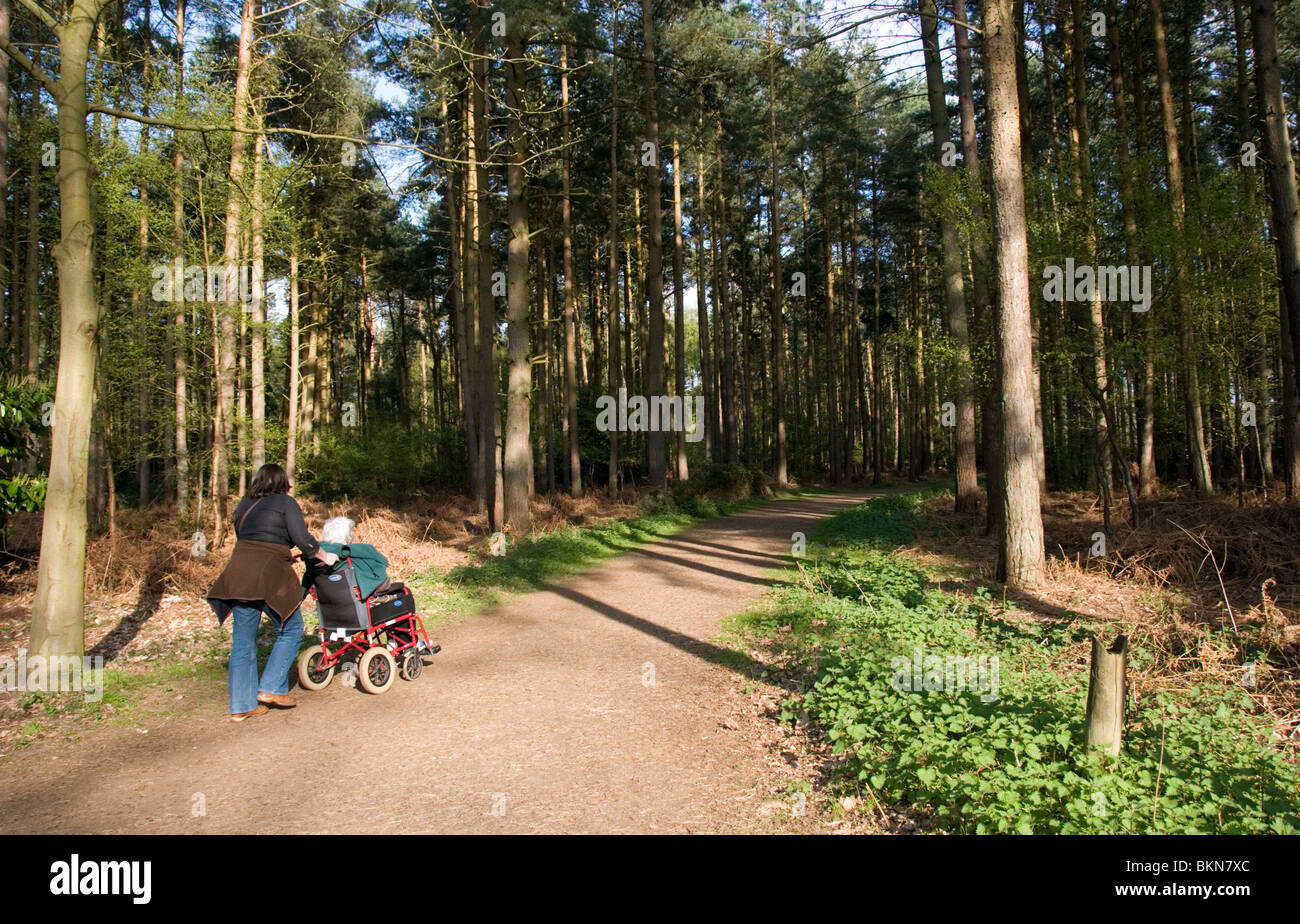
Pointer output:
x,y
536,717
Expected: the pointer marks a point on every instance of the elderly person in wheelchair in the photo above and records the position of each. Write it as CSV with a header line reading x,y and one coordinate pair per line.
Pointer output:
x,y
368,624
368,563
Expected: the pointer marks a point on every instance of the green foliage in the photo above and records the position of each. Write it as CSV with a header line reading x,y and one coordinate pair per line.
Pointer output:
x,y
1010,757
377,460
732,481
20,422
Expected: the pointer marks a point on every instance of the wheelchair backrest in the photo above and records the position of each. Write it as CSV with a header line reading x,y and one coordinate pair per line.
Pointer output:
x,y
338,603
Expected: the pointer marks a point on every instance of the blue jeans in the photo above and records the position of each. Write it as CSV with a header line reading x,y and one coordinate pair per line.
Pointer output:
x,y
245,618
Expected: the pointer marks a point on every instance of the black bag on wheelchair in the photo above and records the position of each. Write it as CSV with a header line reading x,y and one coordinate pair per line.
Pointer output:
x,y
391,603
338,598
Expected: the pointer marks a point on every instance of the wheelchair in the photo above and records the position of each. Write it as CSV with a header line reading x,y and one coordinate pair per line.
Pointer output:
x,y
381,636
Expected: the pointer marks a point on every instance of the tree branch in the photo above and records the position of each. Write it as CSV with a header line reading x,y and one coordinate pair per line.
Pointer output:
x,y
40,13
31,67
212,127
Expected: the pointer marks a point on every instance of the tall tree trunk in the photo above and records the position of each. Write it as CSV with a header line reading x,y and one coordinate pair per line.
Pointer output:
x,y
877,359
31,261
778,281
223,432
57,610
985,322
1095,373
707,380
1263,358
6,305
1286,212
571,322
257,327
140,298
462,200
722,288
291,447
679,316
1198,456
968,492
655,384
1128,203
518,446
311,376
180,330
488,409
1021,558
615,376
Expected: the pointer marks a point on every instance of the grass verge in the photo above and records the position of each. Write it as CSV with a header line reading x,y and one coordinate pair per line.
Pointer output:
x,y
987,736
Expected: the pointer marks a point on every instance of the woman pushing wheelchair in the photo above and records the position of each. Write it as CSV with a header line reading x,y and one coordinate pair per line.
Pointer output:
x,y
368,623
259,579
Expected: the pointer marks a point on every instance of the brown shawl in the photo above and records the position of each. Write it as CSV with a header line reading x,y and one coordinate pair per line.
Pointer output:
x,y
257,571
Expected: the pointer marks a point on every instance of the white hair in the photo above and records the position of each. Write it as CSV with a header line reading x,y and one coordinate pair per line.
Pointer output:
x,y
339,530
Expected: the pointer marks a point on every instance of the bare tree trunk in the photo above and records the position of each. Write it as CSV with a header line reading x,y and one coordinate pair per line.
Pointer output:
x,y
57,611
877,418
222,435
31,264
985,323
968,492
5,11
571,321
615,378
1286,212
654,278
544,339
723,293
1021,557
257,327
141,302
488,409
679,316
1095,370
311,380
710,420
518,447
462,205
778,282
291,448
180,330
1198,456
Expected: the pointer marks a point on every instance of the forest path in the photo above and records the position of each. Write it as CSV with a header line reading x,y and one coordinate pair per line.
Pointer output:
x,y
536,717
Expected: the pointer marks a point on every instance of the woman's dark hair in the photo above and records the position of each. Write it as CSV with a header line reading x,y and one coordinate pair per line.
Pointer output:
x,y
270,479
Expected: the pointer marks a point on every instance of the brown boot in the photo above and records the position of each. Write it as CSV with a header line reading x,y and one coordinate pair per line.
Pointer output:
x,y
240,716
276,699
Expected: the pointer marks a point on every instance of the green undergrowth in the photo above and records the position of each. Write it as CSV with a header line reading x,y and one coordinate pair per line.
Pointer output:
x,y
1004,754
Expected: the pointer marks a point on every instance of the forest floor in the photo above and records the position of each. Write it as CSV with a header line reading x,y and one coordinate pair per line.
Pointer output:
x,y
601,703
1204,589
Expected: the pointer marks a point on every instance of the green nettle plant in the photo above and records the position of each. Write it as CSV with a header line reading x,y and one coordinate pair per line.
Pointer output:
x,y
1195,760
22,409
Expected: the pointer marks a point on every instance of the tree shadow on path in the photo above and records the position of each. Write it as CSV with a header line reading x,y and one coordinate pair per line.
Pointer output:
x,y
729,658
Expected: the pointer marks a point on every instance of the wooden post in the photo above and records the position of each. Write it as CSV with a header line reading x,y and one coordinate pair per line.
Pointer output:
x,y
1106,689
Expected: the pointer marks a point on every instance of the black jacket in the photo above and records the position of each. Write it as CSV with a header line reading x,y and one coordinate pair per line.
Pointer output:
x,y
275,518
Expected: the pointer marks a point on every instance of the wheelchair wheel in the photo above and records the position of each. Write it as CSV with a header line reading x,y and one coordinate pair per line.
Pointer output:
x,y
311,676
412,665
377,670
